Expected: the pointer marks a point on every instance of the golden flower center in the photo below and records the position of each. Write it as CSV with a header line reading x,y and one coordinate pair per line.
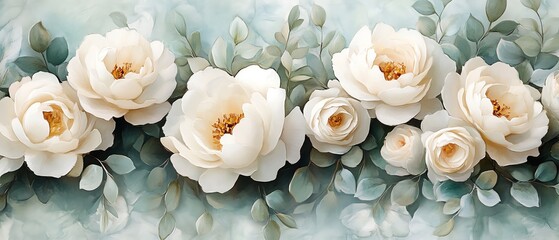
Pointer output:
x,y
120,71
448,150
392,70
225,125
336,120
54,118
500,110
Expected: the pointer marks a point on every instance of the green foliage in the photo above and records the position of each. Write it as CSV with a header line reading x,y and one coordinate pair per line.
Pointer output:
x,y
405,192
525,194
119,19
39,37
424,7
204,224
57,51
166,226
259,211
301,186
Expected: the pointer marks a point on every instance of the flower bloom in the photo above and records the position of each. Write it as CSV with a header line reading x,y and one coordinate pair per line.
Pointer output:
x,y
550,101
494,100
453,148
43,125
122,74
228,126
395,74
404,151
335,121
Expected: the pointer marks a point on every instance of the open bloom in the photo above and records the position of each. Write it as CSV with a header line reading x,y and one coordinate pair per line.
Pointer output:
x,y
122,74
228,126
396,74
453,147
550,101
494,100
335,121
404,151
43,125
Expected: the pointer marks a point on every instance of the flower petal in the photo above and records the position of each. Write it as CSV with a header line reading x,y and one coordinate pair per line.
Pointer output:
x,y
217,180
50,165
269,165
148,115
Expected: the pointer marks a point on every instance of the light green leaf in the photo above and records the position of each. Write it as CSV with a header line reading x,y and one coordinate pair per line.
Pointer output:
x,y
297,95
57,51
505,27
152,153
2,202
156,178
532,4
166,226
271,231
301,187
278,200
180,24
204,224
427,190
353,157
30,65
91,178
445,2
238,30
172,196
147,202
521,173
546,171
259,211
551,44
525,194
119,19
110,191
293,16
426,26
529,45
424,7
345,182
299,53
451,51
489,198
405,192
219,53
487,180
39,38
451,206
321,159
120,164
474,29
546,61
467,209
444,229
287,220
287,61
449,189
318,15
369,189
273,50
20,190
494,9
509,52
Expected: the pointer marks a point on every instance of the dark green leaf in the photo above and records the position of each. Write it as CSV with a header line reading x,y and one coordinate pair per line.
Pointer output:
x,y
474,29
153,153
494,9
546,171
505,27
30,65
278,200
57,51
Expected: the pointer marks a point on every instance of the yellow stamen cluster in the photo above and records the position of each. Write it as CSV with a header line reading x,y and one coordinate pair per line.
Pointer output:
x,y
500,110
392,70
225,125
120,71
336,120
448,150
55,120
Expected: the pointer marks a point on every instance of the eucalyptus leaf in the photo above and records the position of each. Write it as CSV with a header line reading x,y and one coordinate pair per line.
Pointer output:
x,y
509,52
2,202
238,30
293,16
551,44
525,194
545,61
39,38
449,189
297,95
451,206
353,157
301,187
505,27
546,171
119,19
369,189
427,189
20,191
44,189
204,224
271,231
147,201
278,200
521,173
259,211
445,2
57,51
287,220
405,192
30,65
318,15
91,177
424,7
487,180
321,159
345,181
180,24
219,53
156,178
327,208
529,45
489,198
494,9
120,164
444,229
287,61
152,152
110,191
166,226
172,196
474,29
426,26
467,209
451,51
532,4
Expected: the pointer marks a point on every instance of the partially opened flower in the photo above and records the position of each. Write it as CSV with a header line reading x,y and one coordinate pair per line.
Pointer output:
x,y
123,74
43,125
228,126
403,151
550,101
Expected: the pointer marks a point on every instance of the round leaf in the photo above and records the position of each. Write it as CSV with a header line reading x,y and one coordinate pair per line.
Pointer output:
x,y
467,206
204,223
110,191
353,157
529,45
509,52
494,9
39,38
166,226
238,30
405,192
474,29
489,198
119,19
91,178
318,15
370,189
301,187
120,164
525,194
487,180
546,171
259,211
451,206
57,51
321,159
424,7
287,220
271,231
345,182
426,26
505,27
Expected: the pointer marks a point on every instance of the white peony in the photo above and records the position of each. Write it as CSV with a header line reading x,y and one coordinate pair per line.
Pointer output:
x,y
228,126
123,74
494,100
43,125
550,101
395,74
453,147
403,150
335,121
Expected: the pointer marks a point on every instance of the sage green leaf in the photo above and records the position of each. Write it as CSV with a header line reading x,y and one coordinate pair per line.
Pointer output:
x,y
119,19
321,159
494,9
152,153
444,229
39,38
377,159
504,27
180,24
287,61
30,65
318,15
278,200
405,192
120,164
451,51
301,187
509,52
91,177
238,30
474,29
2,202
156,178
427,189
172,196
110,191
293,16
449,189
259,211
489,198
546,171
271,231
532,4
545,61
204,224
20,190
525,194
445,2
147,202
152,129
424,7
369,189
464,46
166,226
555,150
521,173
353,157
43,189
467,209
219,53
273,50
451,206
287,220
327,208
487,180
57,51
551,45
297,95
345,181
529,45
426,26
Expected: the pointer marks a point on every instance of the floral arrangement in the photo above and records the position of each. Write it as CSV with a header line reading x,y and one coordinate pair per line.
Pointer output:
x,y
367,135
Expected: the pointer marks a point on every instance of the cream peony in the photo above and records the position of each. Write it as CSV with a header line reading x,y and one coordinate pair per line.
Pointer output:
x,y
396,74
227,126
494,100
403,150
123,74
43,125
550,101
453,147
335,121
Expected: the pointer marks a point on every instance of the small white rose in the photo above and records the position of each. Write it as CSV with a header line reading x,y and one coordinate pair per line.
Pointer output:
x,y
228,126
550,101
335,121
493,99
404,151
43,125
453,147
395,74
123,74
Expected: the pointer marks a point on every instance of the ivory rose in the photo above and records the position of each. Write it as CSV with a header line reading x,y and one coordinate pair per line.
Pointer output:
x,y
123,74
43,125
228,126
550,101
395,74
335,121
404,151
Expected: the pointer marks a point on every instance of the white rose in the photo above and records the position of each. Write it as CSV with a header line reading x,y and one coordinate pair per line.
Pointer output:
x,y
403,150
335,121
227,126
453,148
123,74
43,125
397,75
550,101
494,100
